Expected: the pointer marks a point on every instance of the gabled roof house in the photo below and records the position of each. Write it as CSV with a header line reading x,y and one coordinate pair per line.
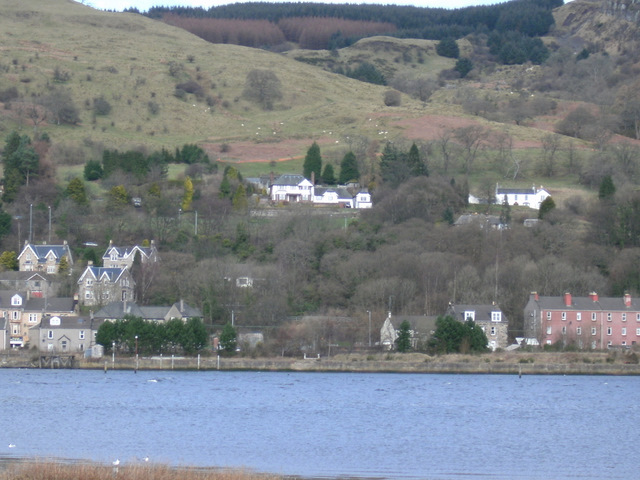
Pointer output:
x,y
489,317
123,256
291,188
101,285
43,258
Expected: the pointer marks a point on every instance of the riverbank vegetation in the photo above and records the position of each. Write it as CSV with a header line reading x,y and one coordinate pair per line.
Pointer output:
x,y
93,471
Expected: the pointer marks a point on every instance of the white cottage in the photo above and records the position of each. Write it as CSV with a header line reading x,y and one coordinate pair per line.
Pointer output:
x,y
291,188
527,197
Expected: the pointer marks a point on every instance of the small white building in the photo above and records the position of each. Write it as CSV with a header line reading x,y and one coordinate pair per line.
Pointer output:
x,y
526,197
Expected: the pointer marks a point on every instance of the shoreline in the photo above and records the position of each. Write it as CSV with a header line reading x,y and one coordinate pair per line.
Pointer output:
x,y
519,364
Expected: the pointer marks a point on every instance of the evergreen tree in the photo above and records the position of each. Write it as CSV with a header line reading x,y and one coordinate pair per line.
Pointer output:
x,y
228,339
328,177
463,66
416,165
607,188
93,170
20,163
76,192
312,162
239,201
349,169
403,342
448,47
545,207
225,188
9,260
505,212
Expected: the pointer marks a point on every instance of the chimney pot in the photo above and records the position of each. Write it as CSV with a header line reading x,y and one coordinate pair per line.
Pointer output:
x,y
593,296
567,299
627,300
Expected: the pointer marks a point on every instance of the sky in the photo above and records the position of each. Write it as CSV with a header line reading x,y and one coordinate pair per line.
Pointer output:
x,y
144,5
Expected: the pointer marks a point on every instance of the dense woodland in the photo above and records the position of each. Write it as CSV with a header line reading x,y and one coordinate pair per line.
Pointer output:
x,y
328,26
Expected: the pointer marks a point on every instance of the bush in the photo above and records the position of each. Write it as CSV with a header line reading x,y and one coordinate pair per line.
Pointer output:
x,y
392,98
101,106
448,47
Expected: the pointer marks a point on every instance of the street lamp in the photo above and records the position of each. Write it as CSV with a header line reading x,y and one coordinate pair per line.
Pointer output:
x,y
369,312
113,355
136,370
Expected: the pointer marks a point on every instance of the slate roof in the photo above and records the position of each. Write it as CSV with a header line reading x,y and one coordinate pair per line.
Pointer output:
x,y
515,191
118,310
6,295
289,179
126,251
482,312
41,252
99,272
610,304
56,304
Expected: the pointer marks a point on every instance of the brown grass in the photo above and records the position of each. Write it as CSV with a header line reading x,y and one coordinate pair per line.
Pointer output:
x,y
59,471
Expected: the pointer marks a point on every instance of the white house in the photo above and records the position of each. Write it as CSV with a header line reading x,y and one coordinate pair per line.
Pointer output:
x,y
332,196
527,197
362,199
291,188
123,257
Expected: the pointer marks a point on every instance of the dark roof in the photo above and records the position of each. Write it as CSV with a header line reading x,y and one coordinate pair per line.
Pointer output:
x,y
289,179
515,191
126,251
98,272
586,303
119,310
6,295
41,251
69,322
41,304
482,312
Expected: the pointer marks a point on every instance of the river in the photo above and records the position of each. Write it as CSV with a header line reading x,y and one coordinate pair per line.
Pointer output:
x,y
388,426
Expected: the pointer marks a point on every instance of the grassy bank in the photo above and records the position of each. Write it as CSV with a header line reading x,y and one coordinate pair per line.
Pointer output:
x,y
59,471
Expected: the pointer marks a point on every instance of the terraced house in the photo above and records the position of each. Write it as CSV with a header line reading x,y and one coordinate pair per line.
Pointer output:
x,y
588,322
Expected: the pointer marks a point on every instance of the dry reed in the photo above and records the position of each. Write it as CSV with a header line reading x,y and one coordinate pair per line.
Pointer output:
x,y
92,471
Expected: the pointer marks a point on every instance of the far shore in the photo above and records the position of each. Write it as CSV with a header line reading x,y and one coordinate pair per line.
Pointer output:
x,y
613,362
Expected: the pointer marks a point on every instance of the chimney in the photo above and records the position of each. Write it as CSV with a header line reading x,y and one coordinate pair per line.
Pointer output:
x,y
64,242
627,300
181,305
313,177
110,243
567,299
90,263
593,296
535,296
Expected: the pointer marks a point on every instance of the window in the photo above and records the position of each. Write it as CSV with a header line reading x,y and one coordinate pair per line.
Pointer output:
x,y
493,330
564,329
593,330
549,330
496,316
624,317
15,329
593,345
16,300
579,316
14,315
81,335
608,317
64,345
88,295
89,282
470,315
548,315
624,343
593,316
609,331
637,317
33,317
638,332
579,331
564,315
51,269
623,331
50,334
105,295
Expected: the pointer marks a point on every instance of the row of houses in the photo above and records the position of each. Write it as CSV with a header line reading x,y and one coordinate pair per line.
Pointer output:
x,y
55,327
295,188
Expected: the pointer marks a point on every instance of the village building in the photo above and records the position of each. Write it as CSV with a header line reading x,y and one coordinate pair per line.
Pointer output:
x,y
489,317
591,322
44,258
102,285
526,197
123,257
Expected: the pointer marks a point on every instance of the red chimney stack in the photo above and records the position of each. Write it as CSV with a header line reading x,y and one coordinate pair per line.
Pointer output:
x,y
627,300
567,299
593,296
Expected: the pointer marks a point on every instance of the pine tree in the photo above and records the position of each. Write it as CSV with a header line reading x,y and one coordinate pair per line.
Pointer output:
x,y
187,197
349,169
403,342
312,162
328,177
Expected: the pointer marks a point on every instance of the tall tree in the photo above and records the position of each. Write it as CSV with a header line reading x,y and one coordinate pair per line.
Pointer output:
x,y
312,162
263,87
403,342
328,177
228,339
349,169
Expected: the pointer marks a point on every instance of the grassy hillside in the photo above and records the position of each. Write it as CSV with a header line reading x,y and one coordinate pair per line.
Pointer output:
x,y
131,61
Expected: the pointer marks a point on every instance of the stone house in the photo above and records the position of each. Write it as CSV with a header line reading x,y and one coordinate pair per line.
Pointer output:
x,y
422,328
44,258
102,285
118,310
123,257
490,318
71,334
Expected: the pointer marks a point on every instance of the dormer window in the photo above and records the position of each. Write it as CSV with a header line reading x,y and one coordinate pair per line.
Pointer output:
x,y
470,315
16,300
496,316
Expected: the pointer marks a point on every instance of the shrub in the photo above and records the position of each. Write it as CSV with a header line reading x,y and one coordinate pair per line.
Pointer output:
x,y
101,106
392,98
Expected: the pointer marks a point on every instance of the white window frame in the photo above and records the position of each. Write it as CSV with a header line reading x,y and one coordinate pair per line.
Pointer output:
x,y
549,330
578,330
623,331
81,334
564,315
624,317
496,316
593,331
548,315
51,269
33,317
609,317
579,316
593,316
50,334
564,329
609,331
